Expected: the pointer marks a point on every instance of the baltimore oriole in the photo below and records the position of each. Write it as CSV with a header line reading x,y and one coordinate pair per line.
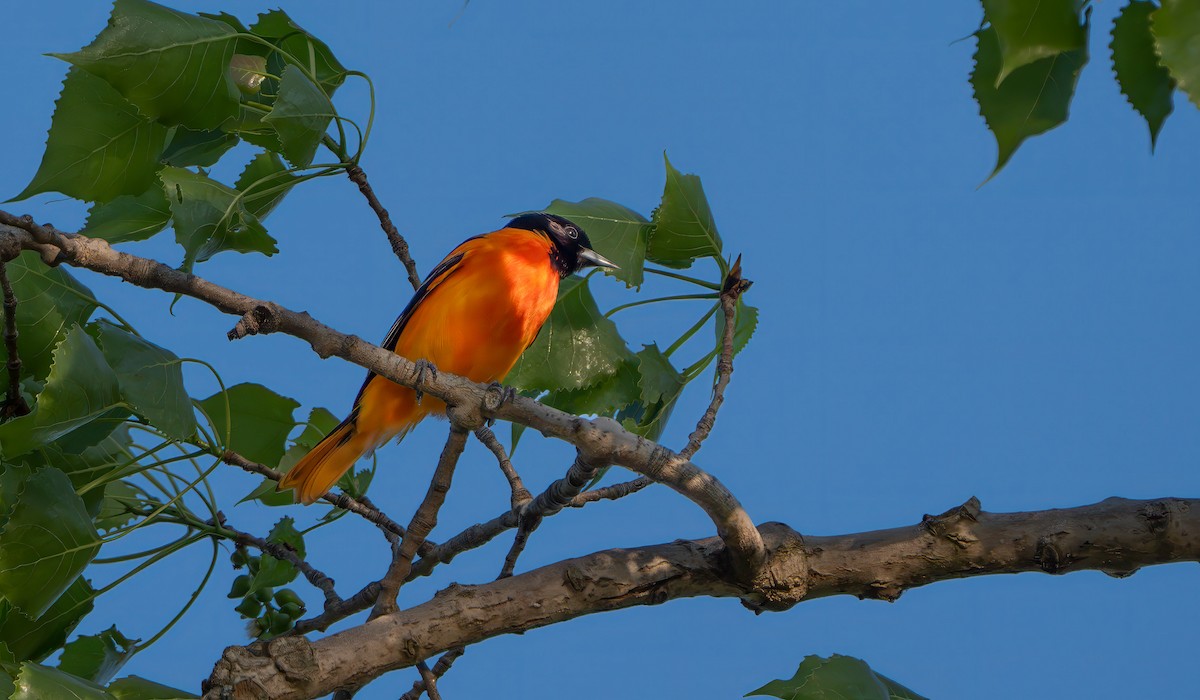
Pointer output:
x,y
473,316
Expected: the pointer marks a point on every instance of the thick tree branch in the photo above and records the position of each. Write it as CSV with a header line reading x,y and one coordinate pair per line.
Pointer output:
x,y
1116,536
602,439
399,245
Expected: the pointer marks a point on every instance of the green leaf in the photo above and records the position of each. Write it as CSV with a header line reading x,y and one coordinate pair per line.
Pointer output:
x,y
6,682
1145,83
50,301
97,657
744,324
99,146
46,543
151,380
136,688
320,423
36,682
684,228
617,232
355,482
576,348
1030,30
295,43
12,479
660,385
173,65
1033,99
119,498
1176,27
129,217
264,183
80,404
259,421
197,147
660,381
301,115
897,691
210,217
249,72
604,398
838,676
274,572
249,125
35,639
266,491
227,18
96,462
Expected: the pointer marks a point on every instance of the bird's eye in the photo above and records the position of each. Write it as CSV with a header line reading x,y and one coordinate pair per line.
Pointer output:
x,y
572,232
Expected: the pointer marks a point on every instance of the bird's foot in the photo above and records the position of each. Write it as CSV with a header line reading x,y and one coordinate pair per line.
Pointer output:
x,y
423,369
497,396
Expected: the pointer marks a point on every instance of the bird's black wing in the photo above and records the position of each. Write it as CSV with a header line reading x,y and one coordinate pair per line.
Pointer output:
x,y
438,274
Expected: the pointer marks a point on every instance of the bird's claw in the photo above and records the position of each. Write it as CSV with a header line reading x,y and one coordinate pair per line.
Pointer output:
x,y
503,395
422,368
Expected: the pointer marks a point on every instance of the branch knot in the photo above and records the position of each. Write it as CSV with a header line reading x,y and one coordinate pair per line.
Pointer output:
x,y
260,320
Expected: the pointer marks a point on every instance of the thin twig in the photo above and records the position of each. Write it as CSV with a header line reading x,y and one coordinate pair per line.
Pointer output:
x,y
610,493
14,404
422,523
365,509
399,245
284,553
557,495
733,288
520,494
358,602
439,669
430,681
528,523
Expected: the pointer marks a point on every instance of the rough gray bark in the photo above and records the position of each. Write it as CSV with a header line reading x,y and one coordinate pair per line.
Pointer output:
x,y
1116,536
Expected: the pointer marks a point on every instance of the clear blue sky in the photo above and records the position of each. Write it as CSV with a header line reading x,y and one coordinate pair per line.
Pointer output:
x,y
1032,343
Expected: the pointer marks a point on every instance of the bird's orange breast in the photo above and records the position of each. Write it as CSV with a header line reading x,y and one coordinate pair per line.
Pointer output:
x,y
475,322
479,320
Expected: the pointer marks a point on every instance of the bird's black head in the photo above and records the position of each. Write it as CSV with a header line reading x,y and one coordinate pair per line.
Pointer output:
x,y
571,250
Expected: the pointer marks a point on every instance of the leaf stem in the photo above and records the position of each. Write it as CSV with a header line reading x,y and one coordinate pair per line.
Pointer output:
x,y
690,373
692,331
362,146
166,552
144,553
187,606
643,302
675,275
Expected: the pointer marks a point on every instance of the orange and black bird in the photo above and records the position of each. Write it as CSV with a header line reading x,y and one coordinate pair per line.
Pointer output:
x,y
473,316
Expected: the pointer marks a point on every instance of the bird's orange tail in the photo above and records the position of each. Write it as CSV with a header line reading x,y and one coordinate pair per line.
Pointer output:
x,y
320,469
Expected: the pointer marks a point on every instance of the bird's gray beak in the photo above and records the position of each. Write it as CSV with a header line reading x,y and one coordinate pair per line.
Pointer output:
x,y
591,257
